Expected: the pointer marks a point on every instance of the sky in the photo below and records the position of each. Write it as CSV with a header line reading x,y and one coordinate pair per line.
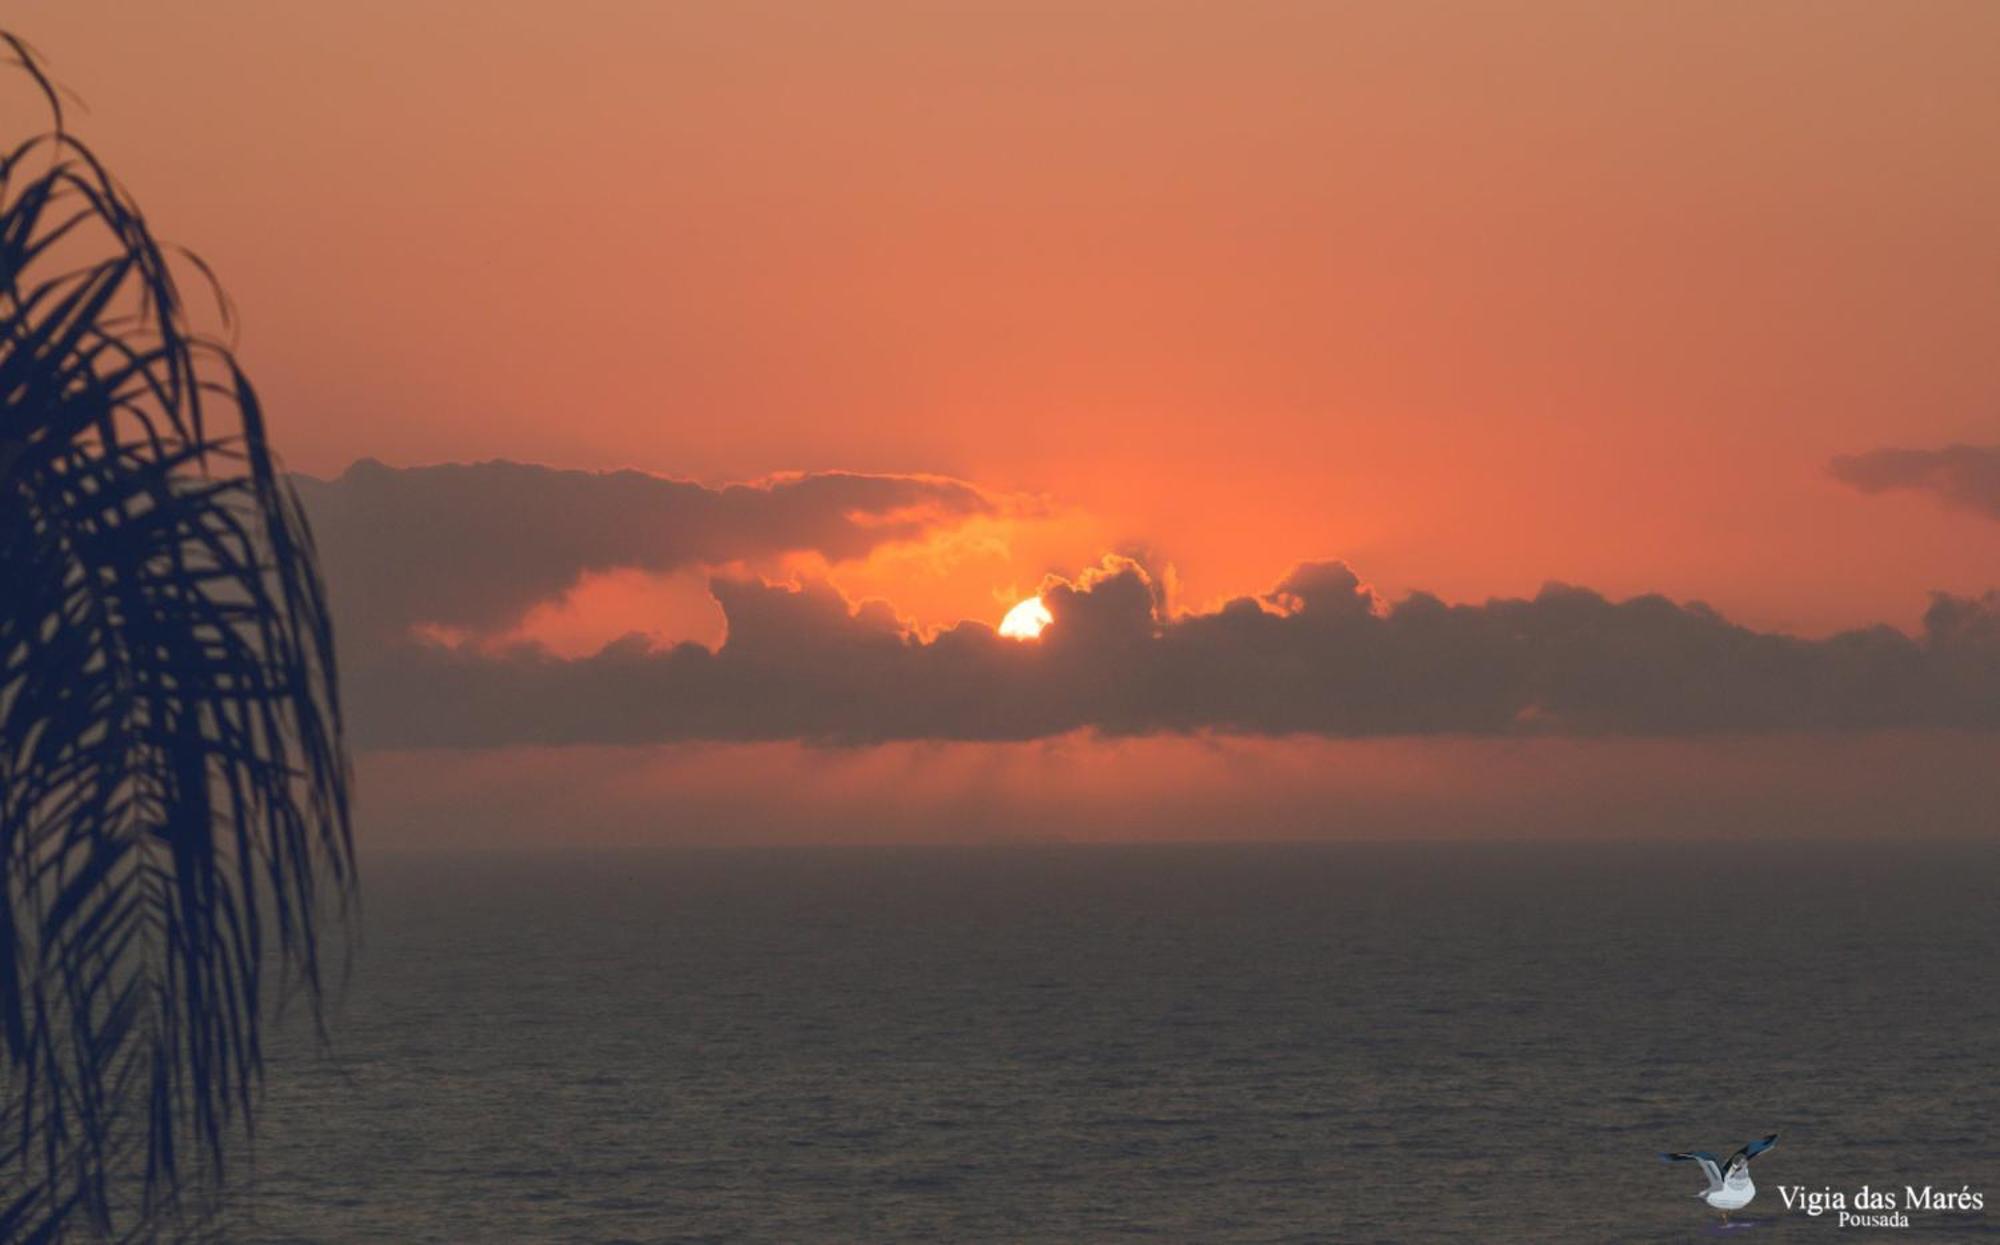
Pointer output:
x,y
815,336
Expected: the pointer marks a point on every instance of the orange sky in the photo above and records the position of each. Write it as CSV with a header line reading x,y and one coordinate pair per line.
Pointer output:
x,y
1471,295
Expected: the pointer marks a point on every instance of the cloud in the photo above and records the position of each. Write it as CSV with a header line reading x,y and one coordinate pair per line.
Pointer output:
x,y
1321,654
1964,477
474,546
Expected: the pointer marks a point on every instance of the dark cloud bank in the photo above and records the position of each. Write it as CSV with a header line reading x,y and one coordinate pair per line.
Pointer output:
x,y
474,545
1320,654
1964,477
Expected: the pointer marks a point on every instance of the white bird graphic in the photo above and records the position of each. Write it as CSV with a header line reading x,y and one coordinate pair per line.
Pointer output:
x,y
1729,1186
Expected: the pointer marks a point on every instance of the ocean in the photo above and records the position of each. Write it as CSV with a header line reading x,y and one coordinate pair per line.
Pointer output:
x,y
1271,1043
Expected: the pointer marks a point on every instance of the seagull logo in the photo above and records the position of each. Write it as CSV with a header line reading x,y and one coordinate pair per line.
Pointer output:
x,y
1729,1186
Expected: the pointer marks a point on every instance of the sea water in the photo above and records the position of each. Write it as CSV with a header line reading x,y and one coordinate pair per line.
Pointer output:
x,y
1174,1043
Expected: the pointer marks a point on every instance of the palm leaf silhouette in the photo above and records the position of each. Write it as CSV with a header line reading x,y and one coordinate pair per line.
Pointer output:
x,y
173,784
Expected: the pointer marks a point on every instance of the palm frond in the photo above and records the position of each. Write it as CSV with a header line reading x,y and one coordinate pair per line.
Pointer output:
x,y
173,783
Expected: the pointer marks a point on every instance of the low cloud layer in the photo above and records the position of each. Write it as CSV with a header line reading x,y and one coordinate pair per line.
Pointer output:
x,y
1964,477
1318,655
473,546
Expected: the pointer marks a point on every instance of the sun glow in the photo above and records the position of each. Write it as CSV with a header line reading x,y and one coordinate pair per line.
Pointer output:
x,y
1026,620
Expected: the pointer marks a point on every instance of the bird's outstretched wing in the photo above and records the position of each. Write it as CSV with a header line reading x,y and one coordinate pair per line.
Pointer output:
x,y
1710,1165
1750,1151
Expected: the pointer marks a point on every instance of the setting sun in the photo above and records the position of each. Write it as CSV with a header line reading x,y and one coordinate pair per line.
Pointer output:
x,y
1026,620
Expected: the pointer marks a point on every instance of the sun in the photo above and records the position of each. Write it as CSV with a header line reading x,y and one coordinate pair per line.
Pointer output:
x,y
1026,620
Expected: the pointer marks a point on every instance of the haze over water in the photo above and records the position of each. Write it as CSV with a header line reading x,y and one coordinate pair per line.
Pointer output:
x,y
1214,1043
